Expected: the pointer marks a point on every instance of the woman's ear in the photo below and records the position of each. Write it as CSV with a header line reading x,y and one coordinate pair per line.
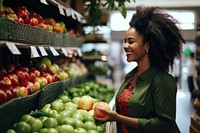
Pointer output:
x,y
147,46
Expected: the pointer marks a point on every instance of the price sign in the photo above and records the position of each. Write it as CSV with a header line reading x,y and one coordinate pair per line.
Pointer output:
x,y
12,47
34,52
44,2
64,52
43,51
61,10
54,52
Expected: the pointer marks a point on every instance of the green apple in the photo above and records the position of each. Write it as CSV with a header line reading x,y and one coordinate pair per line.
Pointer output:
x,y
78,115
65,129
50,122
79,124
65,98
89,125
57,105
63,75
92,131
80,130
65,113
75,100
22,127
25,117
70,106
52,130
11,131
100,128
69,121
36,124
58,117
43,118
46,61
44,130
88,117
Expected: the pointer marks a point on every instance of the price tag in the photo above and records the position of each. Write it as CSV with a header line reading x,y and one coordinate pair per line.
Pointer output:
x,y
68,11
61,10
12,47
64,52
34,52
54,52
73,14
79,17
43,51
79,52
44,2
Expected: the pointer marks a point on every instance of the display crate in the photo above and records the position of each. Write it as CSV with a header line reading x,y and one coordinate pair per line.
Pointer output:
x,y
13,31
9,113
48,94
73,42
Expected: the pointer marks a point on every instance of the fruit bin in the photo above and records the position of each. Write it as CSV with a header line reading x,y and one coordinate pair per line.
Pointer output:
x,y
13,109
12,31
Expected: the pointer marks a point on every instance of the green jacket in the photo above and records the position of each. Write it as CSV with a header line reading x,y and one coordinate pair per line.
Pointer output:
x,y
153,101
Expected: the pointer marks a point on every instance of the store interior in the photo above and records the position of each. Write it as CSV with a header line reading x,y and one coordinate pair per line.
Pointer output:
x,y
103,42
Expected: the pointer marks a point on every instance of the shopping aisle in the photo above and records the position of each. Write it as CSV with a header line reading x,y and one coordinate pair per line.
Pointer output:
x,y
184,110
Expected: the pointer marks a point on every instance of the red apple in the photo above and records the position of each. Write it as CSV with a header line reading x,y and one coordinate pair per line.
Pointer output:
x,y
20,20
56,77
32,87
9,93
48,77
20,91
44,80
10,68
48,70
33,21
98,106
3,96
20,74
37,85
14,79
37,73
2,72
26,76
5,82
24,68
22,13
86,103
32,76
23,83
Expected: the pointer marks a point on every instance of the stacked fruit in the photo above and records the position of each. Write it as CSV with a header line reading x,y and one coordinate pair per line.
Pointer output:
x,y
24,16
94,89
64,115
50,69
18,80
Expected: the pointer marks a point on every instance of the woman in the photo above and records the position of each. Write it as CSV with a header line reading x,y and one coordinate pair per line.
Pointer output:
x,y
146,100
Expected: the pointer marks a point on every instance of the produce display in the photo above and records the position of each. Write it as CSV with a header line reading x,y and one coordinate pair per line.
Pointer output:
x,y
94,89
24,16
18,80
63,115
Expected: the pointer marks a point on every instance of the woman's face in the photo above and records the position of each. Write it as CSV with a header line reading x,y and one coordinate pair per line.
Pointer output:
x,y
134,46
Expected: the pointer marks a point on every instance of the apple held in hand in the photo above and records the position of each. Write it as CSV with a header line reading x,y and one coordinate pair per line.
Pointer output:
x,y
86,103
98,106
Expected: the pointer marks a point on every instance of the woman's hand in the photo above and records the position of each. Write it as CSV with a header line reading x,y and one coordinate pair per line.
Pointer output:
x,y
111,116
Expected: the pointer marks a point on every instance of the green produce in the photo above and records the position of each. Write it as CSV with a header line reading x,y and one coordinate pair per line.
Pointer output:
x,y
22,127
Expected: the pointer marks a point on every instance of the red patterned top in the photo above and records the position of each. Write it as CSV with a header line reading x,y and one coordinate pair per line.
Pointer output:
x,y
123,100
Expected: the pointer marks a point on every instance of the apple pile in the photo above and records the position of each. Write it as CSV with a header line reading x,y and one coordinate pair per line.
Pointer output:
x,y
48,69
17,80
64,116
99,91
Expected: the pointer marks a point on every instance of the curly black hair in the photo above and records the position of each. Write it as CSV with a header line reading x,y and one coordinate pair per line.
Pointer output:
x,y
160,30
